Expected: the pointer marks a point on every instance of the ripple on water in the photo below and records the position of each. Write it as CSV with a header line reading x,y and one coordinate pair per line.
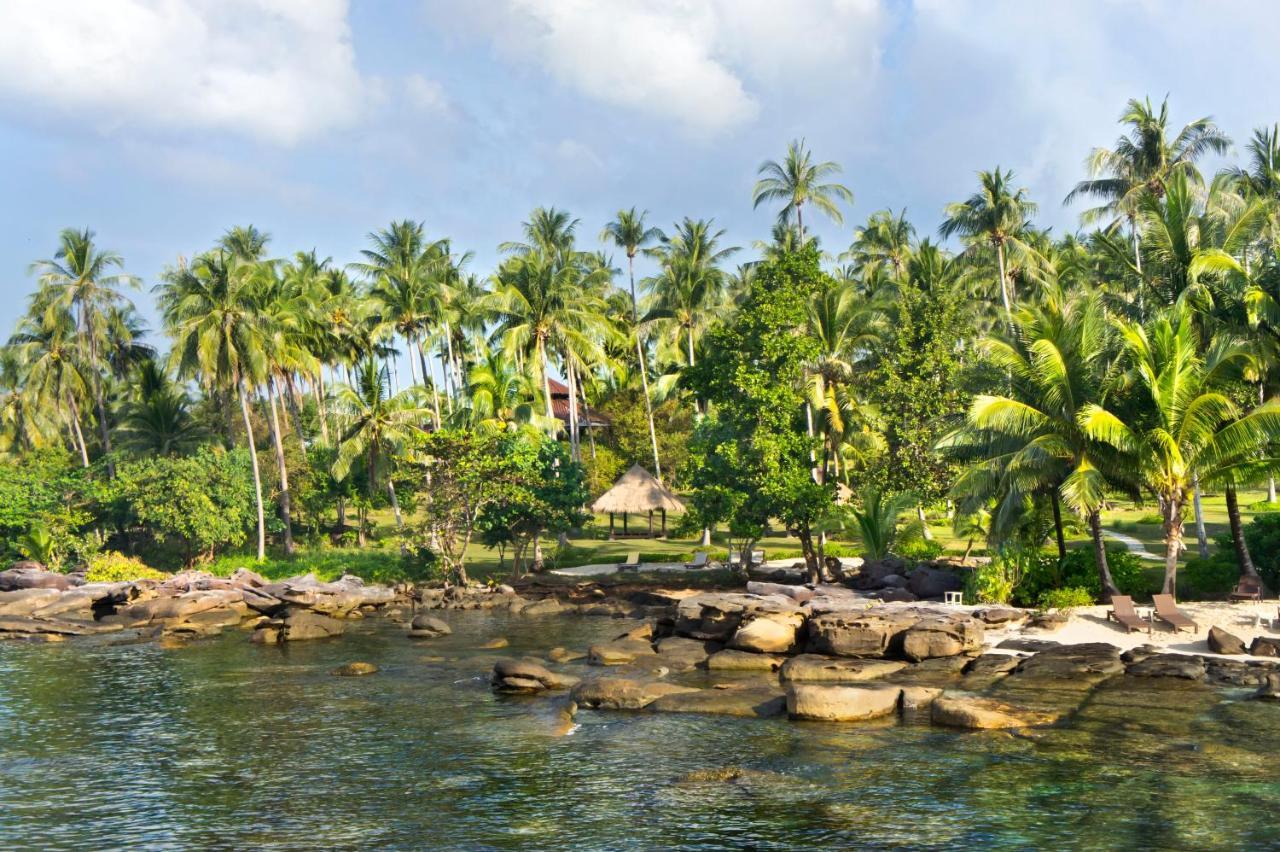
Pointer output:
x,y
225,743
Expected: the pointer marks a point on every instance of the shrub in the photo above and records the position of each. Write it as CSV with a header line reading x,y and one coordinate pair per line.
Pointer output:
x,y
1211,577
1068,598
113,567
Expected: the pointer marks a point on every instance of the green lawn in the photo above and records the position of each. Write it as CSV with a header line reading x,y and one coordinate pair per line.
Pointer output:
x,y
378,559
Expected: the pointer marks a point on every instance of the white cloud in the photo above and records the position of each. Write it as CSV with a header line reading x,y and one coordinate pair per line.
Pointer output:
x,y
277,70
695,63
425,95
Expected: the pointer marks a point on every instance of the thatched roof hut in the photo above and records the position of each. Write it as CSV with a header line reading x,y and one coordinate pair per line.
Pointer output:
x,y
638,492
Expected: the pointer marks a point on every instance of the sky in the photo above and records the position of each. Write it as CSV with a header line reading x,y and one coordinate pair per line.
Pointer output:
x,y
161,123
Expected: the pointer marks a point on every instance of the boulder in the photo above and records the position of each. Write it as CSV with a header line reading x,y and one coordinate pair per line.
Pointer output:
x,y
872,633
1169,665
717,616
1265,646
753,701
618,652
1222,642
26,601
918,698
527,676
941,637
730,660
811,668
841,703
926,582
979,714
768,634
33,575
608,693
427,627
359,669
1089,661
301,624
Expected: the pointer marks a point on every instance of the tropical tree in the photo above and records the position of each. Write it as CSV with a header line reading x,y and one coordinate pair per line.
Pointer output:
x,y
629,233
798,181
996,215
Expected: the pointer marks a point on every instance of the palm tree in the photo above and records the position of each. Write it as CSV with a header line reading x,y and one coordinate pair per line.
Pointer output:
x,y
1142,161
79,279
379,426
996,215
629,233
1186,429
1031,440
212,311
797,180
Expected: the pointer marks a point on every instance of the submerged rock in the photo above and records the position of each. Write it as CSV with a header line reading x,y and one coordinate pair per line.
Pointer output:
x,y
841,703
817,669
357,669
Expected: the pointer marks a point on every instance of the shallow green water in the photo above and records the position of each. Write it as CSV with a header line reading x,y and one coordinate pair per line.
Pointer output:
x,y
230,745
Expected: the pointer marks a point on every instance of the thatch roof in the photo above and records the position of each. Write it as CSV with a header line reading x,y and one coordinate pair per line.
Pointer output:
x,y
637,492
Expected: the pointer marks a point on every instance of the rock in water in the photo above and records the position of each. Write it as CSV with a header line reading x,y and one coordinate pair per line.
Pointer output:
x,y
841,703
355,670
426,627
1222,642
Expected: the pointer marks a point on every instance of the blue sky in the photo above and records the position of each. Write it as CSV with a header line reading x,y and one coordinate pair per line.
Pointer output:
x,y
160,123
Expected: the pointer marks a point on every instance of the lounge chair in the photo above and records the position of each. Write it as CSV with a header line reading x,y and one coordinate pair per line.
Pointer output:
x,y
1122,611
632,562
699,560
1248,589
1168,612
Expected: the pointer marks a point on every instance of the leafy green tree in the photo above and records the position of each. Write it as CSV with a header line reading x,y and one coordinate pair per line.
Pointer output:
x,y
753,376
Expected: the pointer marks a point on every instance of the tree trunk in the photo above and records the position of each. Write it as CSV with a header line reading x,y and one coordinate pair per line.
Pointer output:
x,y
286,509
1202,539
644,369
924,523
257,474
76,431
1100,557
1247,568
1057,524
1172,543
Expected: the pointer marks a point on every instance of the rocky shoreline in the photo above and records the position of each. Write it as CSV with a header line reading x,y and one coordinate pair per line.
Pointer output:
x,y
827,653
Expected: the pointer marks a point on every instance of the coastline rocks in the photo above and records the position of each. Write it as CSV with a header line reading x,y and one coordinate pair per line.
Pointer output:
x,y
870,634
760,702
1265,646
731,660
841,703
1091,660
1222,642
608,693
811,668
358,669
527,676
941,637
427,627
977,714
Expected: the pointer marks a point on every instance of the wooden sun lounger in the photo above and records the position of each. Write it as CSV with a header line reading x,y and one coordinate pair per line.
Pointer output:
x,y
1122,611
699,560
632,563
1248,589
1168,612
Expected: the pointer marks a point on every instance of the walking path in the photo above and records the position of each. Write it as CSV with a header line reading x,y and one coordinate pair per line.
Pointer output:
x,y
1134,545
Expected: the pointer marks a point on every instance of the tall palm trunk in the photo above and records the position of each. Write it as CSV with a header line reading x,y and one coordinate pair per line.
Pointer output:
x,y
286,508
1100,556
644,369
1173,509
257,474
76,432
1202,538
1247,568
